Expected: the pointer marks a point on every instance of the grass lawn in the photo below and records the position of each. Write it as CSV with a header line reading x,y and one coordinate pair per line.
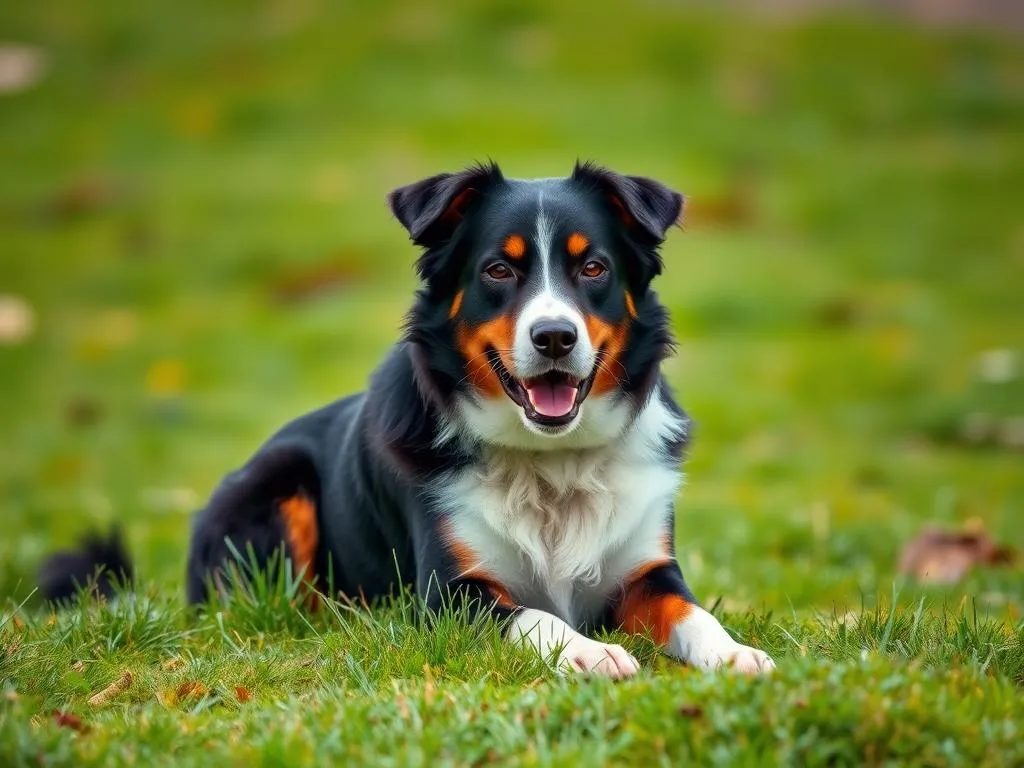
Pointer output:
x,y
192,207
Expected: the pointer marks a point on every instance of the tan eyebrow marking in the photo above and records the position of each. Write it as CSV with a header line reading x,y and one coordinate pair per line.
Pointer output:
x,y
456,305
514,247
630,306
577,244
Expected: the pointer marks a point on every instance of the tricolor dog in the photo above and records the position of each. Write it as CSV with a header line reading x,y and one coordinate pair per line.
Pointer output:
x,y
518,450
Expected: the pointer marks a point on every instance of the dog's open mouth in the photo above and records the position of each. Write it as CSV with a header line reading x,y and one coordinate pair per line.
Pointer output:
x,y
551,400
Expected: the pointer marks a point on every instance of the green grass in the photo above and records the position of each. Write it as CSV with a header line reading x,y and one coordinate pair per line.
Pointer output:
x,y
192,204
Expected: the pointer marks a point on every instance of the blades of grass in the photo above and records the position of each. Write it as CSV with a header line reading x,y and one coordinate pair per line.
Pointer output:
x,y
890,623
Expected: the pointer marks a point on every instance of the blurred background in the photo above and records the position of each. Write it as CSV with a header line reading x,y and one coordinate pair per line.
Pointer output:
x,y
195,248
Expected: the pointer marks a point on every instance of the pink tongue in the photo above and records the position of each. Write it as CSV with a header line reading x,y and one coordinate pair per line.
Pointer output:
x,y
552,399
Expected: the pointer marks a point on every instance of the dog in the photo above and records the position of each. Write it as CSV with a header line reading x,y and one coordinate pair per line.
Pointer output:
x,y
518,451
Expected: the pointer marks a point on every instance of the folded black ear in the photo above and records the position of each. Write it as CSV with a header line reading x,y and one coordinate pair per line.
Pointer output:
x,y
644,204
431,209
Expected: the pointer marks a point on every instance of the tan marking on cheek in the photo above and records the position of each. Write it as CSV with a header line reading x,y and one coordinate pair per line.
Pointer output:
x,y
577,244
474,341
514,247
610,340
456,305
630,306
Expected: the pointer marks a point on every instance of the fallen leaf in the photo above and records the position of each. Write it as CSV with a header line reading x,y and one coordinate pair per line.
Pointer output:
x,y
945,557
78,666
82,411
191,690
998,366
17,320
68,720
242,694
21,66
165,378
315,281
116,688
691,710
81,197
839,312
733,209
198,117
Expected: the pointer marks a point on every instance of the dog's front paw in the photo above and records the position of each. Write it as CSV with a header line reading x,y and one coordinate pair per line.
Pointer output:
x,y
700,641
748,660
739,658
588,656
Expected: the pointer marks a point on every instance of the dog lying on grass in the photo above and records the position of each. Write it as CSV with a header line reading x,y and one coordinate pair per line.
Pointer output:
x,y
518,450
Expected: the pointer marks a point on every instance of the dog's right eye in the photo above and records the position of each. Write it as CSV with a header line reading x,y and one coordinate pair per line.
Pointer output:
x,y
499,270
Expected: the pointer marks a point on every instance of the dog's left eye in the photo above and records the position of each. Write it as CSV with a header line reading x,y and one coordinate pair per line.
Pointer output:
x,y
593,269
499,271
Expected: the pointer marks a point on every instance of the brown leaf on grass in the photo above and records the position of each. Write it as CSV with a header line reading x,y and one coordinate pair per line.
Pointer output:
x,y
21,66
242,693
839,312
165,378
691,710
734,209
191,690
17,320
78,666
945,557
317,280
83,196
68,720
112,691
82,411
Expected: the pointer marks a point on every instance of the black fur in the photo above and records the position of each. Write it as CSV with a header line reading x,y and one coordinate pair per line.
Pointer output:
x,y
97,565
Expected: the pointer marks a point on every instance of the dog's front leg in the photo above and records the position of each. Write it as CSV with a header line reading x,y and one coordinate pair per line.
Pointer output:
x,y
656,599
576,652
451,575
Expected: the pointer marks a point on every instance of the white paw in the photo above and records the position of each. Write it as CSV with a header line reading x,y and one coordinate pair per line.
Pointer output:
x,y
738,658
699,640
576,652
582,654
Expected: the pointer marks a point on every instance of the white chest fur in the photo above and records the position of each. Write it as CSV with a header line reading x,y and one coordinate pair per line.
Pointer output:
x,y
562,528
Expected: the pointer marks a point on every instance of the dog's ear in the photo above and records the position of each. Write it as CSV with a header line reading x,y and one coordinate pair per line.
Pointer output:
x,y
432,209
647,207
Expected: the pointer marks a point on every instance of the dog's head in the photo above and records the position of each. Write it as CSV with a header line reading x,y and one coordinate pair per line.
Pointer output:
x,y
536,326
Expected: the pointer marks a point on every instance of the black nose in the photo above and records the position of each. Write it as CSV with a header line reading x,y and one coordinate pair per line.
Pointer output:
x,y
553,338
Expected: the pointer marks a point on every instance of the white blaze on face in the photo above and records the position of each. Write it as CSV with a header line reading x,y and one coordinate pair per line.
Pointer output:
x,y
549,304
